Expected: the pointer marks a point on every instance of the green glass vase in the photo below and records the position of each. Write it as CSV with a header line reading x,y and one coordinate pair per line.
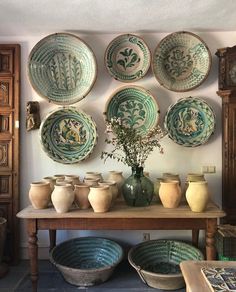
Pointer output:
x,y
137,189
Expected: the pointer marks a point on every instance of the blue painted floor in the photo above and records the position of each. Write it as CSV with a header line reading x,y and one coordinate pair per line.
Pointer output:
x,y
124,279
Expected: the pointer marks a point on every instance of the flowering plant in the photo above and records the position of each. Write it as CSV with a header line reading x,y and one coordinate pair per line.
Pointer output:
x,y
130,147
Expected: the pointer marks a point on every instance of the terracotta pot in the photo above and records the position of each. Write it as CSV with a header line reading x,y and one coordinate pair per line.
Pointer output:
x,y
74,179
59,176
170,193
51,180
197,196
100,198
40,194
118,178
195,177
94,175
62,198
91,181
114,188
81,196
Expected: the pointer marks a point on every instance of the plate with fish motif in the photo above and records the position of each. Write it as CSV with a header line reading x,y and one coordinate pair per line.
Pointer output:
x,y
135,106
68,135
190,122
181,61
127,58
62,68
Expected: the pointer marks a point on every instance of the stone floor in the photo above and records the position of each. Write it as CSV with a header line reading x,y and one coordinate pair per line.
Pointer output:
x,y
124,279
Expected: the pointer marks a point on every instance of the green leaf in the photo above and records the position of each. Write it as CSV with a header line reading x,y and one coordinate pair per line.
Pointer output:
x,y
121,62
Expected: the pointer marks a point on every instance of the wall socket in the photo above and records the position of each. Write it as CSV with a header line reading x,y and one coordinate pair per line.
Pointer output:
x,y
208,169
146,236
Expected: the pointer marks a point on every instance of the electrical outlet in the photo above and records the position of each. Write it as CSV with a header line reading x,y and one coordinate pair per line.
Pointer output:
x,y
204,169
146,236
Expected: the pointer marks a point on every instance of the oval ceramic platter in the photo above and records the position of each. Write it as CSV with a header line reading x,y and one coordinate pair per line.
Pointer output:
x,y
181,61
62,68
68,135
190,122
127,58
135,106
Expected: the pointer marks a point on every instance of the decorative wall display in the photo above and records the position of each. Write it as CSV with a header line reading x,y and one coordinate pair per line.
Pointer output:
x,y
127,58
181,61
32,115
190,122
62,68
68,135
135,106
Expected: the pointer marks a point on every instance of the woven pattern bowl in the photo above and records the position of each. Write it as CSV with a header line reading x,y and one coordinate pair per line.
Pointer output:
x,y
157,262
86,261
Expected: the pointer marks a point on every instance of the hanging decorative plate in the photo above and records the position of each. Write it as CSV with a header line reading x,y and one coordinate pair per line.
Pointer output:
x,y
181,61
62,68
135,106
68,135
127,58
190,122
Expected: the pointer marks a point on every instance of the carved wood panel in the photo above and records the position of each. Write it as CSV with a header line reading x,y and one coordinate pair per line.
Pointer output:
x,y
5,186
6,91
6,61
5,155
6,124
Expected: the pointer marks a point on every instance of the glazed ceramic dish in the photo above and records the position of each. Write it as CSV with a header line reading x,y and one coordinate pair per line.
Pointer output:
x,y
62,68
135,106
190,122
181,61
127,58
68,135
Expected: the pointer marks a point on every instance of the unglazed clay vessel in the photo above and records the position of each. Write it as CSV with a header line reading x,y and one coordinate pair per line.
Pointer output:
x,y
170,193
100,198
62,198
197,196
40,194
81,196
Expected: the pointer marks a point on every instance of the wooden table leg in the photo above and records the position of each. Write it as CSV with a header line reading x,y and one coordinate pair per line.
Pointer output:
x,y
211,227
33,251
195,237
52,237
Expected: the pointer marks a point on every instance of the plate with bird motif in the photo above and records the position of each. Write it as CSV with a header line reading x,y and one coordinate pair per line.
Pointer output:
x,y
135,106
190,122
62,68
68,135
127,58
181,61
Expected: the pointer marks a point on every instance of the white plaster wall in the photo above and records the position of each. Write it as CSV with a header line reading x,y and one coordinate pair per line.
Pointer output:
x,y
35,164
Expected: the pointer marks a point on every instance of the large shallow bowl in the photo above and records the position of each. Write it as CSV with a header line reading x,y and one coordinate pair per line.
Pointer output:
x,y
62,68
135,106
127,58
86,261
181,61
157,262
68,135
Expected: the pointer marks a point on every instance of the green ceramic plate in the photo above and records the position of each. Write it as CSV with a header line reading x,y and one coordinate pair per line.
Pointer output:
x,y
190,122
127,58
62,68
68,135
181,61
135,106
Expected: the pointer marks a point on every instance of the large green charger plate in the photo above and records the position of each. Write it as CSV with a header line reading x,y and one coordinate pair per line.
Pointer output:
x,y
190,122
62,68
135,106
127,58
181,61
68,135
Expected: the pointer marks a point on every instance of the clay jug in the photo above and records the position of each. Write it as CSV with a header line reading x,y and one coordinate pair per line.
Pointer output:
x,y
74,179
170,193
94,175
100,198
197,196
91,181
51,180
40,194
62,198
113,186
118,177
81,196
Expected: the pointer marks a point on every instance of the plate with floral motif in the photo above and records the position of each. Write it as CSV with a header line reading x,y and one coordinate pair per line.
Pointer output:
x,y
181,61
190,122
135,106
62,68
127,58
68,135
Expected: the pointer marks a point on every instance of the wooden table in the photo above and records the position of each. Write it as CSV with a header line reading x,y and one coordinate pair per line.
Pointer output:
x,y
120,217
193,277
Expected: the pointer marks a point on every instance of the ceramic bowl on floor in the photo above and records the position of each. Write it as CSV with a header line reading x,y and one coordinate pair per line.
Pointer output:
x,y
157,262
86,261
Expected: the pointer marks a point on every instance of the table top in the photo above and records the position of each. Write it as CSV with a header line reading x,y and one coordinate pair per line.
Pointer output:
x,y
121,210
193,277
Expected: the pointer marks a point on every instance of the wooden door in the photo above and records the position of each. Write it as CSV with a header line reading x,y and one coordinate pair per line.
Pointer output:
x,y
9,144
